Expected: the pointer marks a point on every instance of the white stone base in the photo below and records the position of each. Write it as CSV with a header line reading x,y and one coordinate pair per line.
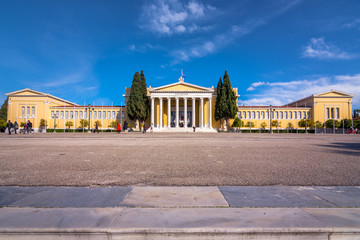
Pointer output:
x,y
181,129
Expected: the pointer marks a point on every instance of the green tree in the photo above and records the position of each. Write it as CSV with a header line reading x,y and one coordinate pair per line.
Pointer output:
x,y
145,108
318,124
230,108
3,110
69,124
138,105
347,123
290,125
42,124
220,101
306,123
357,123
249,124
2,124
98,122
236,123
84,123
330,123
263,125
113,124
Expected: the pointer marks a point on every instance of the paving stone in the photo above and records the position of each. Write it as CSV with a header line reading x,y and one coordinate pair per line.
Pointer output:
x,y
175,197
273,196
75,197
9,195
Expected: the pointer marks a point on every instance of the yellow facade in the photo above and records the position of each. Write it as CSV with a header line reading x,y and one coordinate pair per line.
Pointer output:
x,y
32,105
29,105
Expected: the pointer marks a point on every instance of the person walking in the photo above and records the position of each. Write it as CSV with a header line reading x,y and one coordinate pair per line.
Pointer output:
x,y
16,126
29,127
125,126
144,128
96,128
118,129
9,125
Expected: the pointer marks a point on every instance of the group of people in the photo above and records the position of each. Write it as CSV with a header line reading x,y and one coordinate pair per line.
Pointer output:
x,y
27,127
125,127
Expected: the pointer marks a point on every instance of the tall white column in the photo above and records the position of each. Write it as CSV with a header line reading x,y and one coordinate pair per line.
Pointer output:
x,y
210,114
169,112
193,112
152,112
161,113
202,113
177,112
185,112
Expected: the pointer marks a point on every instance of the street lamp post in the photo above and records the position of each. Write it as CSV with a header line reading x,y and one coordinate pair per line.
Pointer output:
x,y
89,109
270,113
55,116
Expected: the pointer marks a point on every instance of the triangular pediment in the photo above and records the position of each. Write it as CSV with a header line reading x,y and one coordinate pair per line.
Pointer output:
x,y
333,93
181,87
27,92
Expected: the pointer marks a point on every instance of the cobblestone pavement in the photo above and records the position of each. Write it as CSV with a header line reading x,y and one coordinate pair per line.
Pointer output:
x,y
179,159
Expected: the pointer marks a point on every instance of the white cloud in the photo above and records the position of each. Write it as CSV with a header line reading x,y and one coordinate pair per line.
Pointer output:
x,y
318,48
281,93
132,47
352,24
174,17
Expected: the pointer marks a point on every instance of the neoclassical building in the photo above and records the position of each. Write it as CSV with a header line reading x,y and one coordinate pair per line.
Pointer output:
x,y
174,107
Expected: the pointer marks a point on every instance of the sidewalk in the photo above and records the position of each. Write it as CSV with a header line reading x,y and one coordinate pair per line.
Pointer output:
x,y
235,212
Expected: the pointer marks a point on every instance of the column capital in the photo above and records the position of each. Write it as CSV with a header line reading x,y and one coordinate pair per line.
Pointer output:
x,y
160,98
201,98
151,97
177,98
185,98
168,98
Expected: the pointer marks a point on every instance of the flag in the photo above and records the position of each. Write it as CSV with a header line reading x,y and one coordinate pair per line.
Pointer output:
x,y
182,73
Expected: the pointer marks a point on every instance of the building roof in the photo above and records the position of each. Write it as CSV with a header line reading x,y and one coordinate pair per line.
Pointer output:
x,y
39,94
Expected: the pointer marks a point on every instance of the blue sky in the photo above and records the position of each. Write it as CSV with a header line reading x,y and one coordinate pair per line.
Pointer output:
x,y
275,51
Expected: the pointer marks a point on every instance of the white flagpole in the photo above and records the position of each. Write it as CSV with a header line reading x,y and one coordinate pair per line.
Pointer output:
x,y
102,121
287,118
297,116
64,118
112,105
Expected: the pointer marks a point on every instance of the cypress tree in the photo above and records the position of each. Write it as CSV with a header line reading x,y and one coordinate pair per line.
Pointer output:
x,y
230,107
136,96
145,105
218,112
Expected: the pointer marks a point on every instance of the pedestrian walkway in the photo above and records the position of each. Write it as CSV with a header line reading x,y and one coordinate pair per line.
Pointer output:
x,y
226,212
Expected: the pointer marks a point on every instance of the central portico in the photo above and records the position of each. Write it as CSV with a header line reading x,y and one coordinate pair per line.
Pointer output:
x,y
181,106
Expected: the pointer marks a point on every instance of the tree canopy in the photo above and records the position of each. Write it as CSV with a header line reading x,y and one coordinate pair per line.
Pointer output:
x,y
226,105
138,104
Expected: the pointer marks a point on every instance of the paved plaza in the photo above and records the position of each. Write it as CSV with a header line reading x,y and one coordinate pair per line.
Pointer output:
x,y
179,159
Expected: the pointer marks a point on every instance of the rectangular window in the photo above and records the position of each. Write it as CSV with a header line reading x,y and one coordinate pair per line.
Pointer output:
x,y
57,114
33,112
123,114
66,115
281,115
286,115
272,114
118,115
276,115
295,115
299,115
290,115
28,112
304,114
332,112
327,113
248,115
90,114
244,115
85,115
104,115
95,114
71,115
257,115
262,115
99,115
62,114
108,115
113,114
267,115
81,115
76,115
52,114
23,112
337,113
